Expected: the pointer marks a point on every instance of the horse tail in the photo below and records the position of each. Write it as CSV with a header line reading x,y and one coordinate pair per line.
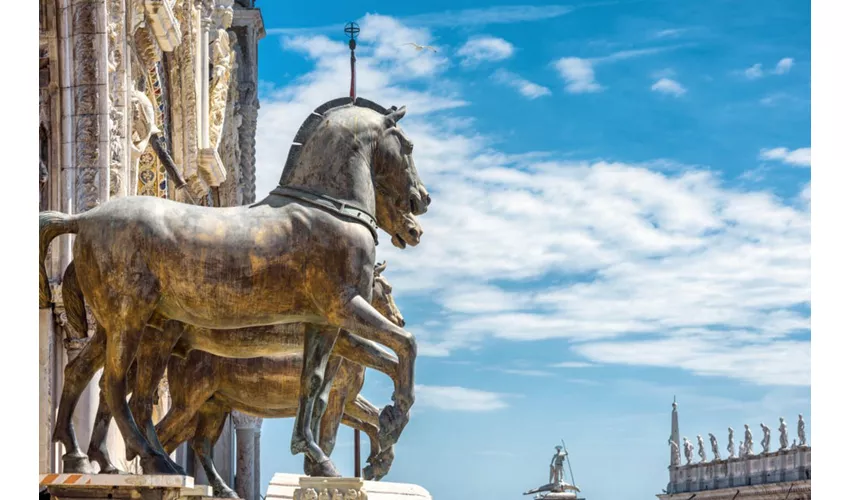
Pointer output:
x,y
72,297
50,225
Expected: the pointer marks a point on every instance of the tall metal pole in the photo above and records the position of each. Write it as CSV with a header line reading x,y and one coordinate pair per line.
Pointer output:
x,y
352,30
356,452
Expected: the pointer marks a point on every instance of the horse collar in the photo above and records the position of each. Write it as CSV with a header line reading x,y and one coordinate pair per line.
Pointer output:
x,y
347,210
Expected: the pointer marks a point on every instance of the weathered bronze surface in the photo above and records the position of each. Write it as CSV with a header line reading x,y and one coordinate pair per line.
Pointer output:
x,y
145,262
205,388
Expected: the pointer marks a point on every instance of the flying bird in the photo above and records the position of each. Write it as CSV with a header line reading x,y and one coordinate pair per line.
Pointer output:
x,y
421,47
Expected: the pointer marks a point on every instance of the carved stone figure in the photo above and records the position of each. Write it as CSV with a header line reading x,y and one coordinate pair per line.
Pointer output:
x,y
556,466
715,449
742,450
731,446
689,451
143,126
794,444
801,430
222,58
701,448
133,239
748,441
765,441
674,453
783,434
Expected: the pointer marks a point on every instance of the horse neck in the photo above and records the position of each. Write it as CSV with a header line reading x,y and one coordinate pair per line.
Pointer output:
x,y
335,169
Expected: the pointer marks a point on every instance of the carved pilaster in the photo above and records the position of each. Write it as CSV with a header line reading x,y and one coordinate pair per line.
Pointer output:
x,y
247,427
247,147
116,31
88,94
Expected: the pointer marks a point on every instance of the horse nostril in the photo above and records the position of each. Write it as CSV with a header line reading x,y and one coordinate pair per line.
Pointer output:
x,y
413,233
427,199
413,205
401,322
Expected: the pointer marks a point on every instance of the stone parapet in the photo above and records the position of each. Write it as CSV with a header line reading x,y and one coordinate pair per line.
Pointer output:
x,y
766,468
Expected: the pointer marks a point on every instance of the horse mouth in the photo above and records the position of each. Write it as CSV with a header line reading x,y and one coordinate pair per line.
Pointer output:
x,y
398,241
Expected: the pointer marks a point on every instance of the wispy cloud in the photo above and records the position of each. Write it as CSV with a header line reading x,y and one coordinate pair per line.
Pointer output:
x,y
783,66
573,364
754,72
484,49
668,86
578,74
454,398
508,14
670,33
801,157
528,89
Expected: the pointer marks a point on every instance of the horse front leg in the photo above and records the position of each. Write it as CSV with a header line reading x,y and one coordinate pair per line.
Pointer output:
x,y
362,415
211,421
360,318
98,449
318,344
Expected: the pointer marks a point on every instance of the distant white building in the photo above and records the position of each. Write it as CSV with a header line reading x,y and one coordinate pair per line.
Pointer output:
x,y
744,474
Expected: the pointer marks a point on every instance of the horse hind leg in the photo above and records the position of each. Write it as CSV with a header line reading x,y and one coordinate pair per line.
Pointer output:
x,y
78,373
98,450
123,337
151,361
211,421
325,419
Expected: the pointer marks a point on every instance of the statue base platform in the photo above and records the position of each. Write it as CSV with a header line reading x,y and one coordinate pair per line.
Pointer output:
x,y
296,487
122,486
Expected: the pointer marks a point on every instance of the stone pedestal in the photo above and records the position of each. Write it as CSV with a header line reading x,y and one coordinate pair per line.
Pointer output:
x,y
109,486
294,486
313,488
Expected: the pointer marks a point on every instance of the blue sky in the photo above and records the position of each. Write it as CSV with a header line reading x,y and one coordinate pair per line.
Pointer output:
x,y
621,214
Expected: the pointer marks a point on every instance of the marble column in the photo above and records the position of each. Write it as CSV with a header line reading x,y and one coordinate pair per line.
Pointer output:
x,y
45,422
246,431
257,487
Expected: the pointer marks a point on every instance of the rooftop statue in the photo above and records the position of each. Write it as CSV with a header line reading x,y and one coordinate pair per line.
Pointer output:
x,y
714,447
783,434
557,488
801,431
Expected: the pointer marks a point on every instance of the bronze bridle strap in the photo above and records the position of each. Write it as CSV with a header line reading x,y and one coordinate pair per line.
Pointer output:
x,y
353,212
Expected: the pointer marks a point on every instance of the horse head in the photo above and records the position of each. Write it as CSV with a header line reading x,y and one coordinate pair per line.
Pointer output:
x,y
357,154
382,298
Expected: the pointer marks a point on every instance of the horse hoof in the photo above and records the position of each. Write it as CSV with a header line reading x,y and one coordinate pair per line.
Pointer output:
x,y
326,468
77,463
160,465
224,492
391,423
111,469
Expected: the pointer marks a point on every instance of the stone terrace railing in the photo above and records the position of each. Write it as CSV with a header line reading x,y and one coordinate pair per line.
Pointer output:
x,y
794,464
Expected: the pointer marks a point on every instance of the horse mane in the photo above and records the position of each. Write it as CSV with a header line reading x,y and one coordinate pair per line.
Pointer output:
x,y
315,119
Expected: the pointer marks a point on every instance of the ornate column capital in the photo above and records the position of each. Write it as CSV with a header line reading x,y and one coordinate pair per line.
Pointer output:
x,y
244,421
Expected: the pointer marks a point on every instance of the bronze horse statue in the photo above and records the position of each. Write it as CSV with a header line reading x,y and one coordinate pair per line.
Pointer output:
x,y
157,348
304,254
205,388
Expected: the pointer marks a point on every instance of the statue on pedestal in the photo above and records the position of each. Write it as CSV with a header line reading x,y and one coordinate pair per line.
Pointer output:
x,y
765,441
714,447
689,451
731,446
701,451
783,434
748,440
557,486
742,450
801,430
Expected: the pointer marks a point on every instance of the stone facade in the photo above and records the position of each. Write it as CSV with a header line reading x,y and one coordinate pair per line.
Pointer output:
x,y
117,77
782,475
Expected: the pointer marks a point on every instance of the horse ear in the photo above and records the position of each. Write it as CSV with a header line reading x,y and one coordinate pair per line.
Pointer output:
x,y
379,268
396,115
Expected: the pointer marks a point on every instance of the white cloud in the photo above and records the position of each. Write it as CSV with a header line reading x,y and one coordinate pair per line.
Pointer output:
x,y
629,252
670,33
754,71
668,86
573,364
783,66
801,157
528,89
578,75
481,49
775,363
453,398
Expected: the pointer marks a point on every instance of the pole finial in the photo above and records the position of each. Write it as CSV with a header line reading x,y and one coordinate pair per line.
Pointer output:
x,y
352,29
